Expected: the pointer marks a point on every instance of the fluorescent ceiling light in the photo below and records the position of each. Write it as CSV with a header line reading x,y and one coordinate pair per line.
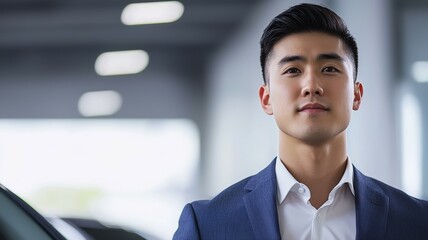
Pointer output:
x,y
420,71
121,62
100,103
152,12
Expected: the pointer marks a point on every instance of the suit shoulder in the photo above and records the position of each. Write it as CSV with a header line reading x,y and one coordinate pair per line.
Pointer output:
x,y
225,213
228,195
397,197
266,178
406,214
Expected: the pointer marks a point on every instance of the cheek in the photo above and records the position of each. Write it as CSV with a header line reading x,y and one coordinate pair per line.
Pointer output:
x,y
346,98
282,96
343,92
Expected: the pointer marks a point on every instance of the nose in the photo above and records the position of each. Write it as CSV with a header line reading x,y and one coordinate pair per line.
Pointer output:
x,y
312,87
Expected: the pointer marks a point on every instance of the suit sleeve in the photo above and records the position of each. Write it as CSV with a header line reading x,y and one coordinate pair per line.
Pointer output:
x,y
187,225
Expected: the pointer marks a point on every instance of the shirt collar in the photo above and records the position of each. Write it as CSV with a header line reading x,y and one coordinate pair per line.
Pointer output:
x,y
286,181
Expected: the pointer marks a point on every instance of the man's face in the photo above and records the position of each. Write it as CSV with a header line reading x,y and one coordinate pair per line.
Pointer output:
x,y
310,90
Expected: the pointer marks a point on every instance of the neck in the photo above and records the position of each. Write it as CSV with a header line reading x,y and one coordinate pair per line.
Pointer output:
x,y
320,167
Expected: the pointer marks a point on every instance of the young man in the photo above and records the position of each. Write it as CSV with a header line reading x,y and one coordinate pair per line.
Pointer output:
x,y
311,190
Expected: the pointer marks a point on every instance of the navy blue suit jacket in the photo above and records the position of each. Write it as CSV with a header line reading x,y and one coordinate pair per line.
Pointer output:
x,y
248,210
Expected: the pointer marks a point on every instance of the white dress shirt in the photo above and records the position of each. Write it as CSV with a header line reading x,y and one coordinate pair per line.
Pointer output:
x,y
299,220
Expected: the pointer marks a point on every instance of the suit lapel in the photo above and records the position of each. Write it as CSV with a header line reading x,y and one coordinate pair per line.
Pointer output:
x,y
260,204
371,207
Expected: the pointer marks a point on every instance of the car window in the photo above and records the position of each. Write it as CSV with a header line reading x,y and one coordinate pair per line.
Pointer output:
x,y
16,224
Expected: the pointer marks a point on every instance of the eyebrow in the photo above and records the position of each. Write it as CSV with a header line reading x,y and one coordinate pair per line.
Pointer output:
x,y
323,56
330,56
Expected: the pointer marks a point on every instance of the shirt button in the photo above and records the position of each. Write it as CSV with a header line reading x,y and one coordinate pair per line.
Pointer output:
x,y
301,190
318,217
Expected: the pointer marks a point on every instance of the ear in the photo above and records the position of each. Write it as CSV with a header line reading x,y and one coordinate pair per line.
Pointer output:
x,y
358,95
264,96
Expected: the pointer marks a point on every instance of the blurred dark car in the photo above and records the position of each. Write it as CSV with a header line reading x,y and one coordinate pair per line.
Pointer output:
x,y
91,229
19,221
99,231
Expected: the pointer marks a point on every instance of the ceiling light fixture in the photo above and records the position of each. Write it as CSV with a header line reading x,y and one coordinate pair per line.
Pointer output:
x,y
121,62
99,103
152,12
420,71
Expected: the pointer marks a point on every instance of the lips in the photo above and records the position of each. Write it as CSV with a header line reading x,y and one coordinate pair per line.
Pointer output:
x,y
313,107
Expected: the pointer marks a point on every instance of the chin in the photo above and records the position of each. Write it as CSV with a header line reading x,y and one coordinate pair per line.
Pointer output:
x,y
321,136
315,138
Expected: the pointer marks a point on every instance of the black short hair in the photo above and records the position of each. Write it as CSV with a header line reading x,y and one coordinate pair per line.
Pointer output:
x,y
306,18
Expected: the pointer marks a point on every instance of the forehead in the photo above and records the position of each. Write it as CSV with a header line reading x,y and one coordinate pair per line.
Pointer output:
x,y
309,45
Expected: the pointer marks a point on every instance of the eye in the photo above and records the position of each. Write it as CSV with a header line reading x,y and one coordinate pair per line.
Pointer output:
x,y
330,70
292,70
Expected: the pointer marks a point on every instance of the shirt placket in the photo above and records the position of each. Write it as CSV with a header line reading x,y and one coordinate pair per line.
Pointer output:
x,y
318,223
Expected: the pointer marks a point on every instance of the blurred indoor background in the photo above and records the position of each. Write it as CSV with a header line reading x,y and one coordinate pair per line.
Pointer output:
x,y
104,116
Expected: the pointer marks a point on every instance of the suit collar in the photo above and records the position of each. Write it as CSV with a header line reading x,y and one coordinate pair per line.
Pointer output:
x,y
260,203
371,206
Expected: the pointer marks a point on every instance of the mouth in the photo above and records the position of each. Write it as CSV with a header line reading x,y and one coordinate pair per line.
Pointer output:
x,y
313,108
